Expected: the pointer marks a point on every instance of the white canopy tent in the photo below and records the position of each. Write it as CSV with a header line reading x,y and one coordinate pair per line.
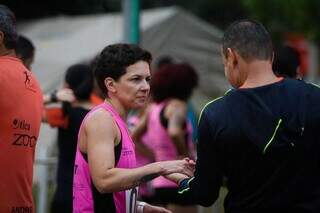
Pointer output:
x,y
62,41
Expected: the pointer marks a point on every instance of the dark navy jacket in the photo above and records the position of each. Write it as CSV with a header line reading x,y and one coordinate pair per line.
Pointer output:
x,y
266,142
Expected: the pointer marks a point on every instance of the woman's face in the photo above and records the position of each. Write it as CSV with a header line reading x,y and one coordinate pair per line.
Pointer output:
x,y
133,88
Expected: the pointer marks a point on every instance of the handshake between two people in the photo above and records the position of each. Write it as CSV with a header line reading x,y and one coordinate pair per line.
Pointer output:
x,y
176,171
179,170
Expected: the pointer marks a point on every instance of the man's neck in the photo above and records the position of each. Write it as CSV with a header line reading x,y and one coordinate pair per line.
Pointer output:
x,y
259,74
7,52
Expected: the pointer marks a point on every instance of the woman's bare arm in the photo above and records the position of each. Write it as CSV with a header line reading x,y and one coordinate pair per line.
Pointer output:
x,y
101,135
138,131
176,112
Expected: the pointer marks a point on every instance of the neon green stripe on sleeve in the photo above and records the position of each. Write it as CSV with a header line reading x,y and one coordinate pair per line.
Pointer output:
x,y
212,102
186,189
206,106
271,139
316,85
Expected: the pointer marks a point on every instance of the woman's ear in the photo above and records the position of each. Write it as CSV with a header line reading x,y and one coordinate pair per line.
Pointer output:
x,y
110,84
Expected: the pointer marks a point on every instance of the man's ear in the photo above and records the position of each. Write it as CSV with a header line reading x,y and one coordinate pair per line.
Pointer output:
x,y
1,38
110,84
232,57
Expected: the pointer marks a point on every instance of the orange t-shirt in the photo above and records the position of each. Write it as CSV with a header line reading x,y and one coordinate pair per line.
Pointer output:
x,y
95,99
55,117
20,118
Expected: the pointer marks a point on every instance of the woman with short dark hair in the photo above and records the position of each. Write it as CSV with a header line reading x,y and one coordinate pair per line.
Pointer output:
x,y
105,175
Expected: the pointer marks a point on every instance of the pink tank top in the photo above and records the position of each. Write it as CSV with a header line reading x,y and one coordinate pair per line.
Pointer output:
x,y
124,201
141,160
163,145
145,189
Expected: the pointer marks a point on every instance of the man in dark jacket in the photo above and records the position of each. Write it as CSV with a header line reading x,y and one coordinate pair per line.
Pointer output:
x,y
263,135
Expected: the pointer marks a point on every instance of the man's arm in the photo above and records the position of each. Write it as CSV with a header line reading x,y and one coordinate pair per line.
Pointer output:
x,y
204,187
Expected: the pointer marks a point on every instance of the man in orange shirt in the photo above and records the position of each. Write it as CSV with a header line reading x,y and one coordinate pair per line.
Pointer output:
x,y
20,118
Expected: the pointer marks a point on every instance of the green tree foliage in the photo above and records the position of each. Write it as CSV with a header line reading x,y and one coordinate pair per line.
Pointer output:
x,y
297,16
278,16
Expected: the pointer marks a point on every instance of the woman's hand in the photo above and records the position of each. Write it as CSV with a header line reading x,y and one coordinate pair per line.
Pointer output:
x,y
185,166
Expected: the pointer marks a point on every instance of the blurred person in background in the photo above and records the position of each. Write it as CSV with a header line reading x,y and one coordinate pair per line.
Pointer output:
x,y
263,135
75,104
287,63
163,61
20,114
105,172
25,50
97,96
168,129
144,151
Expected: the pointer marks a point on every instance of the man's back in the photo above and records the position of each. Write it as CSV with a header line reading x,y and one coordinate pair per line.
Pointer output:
x,y
20,115
267,141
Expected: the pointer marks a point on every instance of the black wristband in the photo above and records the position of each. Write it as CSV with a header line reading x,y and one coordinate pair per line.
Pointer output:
x,y
53,97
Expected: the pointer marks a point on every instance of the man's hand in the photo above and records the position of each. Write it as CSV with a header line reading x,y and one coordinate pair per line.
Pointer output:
x,y
154,209
185,166
176,177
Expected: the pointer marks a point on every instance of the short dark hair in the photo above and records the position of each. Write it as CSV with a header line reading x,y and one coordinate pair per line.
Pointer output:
x,y
163,61
286,62
25,48
79,77
249,38
8,27
114,59
173,81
